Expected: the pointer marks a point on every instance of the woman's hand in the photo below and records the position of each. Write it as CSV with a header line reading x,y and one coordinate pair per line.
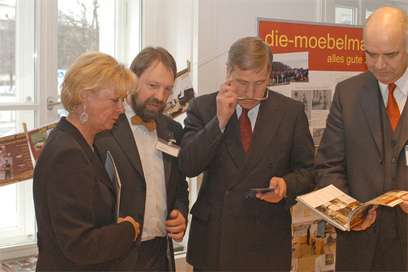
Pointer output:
x,y
135,224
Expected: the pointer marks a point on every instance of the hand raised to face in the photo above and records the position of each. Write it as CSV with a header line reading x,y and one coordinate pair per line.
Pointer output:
x,y
227,100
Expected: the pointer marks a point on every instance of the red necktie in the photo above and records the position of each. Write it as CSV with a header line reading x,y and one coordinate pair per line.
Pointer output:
x,y
245,130
392,107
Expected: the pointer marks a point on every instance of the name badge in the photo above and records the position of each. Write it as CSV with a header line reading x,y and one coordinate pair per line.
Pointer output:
x,y
168,147
406,155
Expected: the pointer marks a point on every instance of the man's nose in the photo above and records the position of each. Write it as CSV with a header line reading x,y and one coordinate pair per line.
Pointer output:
x,y
379,63
250,90
160,94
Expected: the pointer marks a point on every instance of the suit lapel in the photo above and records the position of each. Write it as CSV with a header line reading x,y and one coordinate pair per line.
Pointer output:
x,y
402,130
267,124
94,160
370,103
125,139
232,140
163,132
104,177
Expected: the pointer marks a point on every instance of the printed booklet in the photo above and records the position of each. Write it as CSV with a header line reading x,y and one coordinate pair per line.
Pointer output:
x,y
343,211
113,174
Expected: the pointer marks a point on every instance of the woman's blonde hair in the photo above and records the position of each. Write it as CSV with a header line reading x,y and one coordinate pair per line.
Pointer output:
x,y
94,71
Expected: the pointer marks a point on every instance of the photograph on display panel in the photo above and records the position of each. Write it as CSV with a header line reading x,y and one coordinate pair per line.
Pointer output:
x,y
183,92
15,160
288,68
37,137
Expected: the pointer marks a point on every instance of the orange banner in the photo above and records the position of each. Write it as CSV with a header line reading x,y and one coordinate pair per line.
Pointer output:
x,y
329,47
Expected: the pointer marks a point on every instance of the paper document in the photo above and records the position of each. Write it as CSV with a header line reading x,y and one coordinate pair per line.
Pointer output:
x,y
343,211
113,174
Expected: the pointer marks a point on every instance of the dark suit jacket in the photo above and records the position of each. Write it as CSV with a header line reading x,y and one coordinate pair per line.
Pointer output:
x,y
228,230
74,206
120,142
357,156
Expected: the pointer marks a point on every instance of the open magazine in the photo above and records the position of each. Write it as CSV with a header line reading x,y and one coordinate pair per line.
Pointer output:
x,y
113,174
343,211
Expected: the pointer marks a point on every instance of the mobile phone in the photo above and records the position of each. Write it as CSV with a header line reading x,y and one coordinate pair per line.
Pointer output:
x,y
262,190
253,191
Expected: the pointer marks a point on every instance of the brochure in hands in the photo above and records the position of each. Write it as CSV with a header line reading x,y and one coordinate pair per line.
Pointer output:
x,y
113,174
343,211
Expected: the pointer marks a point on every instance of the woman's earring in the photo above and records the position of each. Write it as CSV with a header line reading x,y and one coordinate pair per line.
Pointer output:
x,y
83,117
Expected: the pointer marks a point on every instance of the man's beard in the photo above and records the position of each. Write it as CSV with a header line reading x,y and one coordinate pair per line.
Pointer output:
x,y
142,111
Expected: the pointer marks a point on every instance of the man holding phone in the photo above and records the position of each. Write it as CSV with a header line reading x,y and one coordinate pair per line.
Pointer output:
x,y
245,137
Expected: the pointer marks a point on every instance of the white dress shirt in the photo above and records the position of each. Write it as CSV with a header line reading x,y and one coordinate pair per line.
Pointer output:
x,y
252,114
400,93
153,169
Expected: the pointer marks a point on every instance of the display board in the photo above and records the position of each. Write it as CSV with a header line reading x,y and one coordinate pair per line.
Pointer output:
x,y
309,60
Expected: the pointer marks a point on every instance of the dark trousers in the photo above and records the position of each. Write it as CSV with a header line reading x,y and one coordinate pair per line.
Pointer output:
x,y
153,255
389,251
388,256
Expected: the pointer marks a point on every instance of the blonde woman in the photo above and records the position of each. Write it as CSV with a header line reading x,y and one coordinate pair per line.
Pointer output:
x,y
73,195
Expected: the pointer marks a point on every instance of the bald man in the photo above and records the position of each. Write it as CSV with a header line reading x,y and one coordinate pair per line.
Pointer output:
x,y
363,150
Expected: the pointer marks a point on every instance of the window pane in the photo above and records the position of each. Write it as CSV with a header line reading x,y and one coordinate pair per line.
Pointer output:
x,y
16,62
16,208
7,52
11,121
8,206
368,13
17,220
84,25
344,15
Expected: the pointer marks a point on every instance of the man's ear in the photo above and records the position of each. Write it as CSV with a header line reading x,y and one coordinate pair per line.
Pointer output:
x,y
136,86
228,71
134,90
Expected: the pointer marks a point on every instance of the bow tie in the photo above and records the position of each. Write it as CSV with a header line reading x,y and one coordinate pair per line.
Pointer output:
x,y
150,125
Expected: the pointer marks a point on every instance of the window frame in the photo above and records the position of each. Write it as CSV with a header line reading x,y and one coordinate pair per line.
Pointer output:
x,y
360,7
44,14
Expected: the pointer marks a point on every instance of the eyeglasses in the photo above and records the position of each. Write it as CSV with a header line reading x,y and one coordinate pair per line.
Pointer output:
x,y
256,86
245,98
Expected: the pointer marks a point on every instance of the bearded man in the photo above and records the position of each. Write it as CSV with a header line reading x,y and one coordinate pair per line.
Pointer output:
x,y
154,192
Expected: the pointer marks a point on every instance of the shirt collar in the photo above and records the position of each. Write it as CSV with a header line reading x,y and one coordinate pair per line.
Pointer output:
x,y
129,112
252,111
402,85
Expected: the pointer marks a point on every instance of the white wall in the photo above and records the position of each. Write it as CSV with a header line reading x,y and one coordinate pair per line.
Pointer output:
x,y
221,22
202,30
168,23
